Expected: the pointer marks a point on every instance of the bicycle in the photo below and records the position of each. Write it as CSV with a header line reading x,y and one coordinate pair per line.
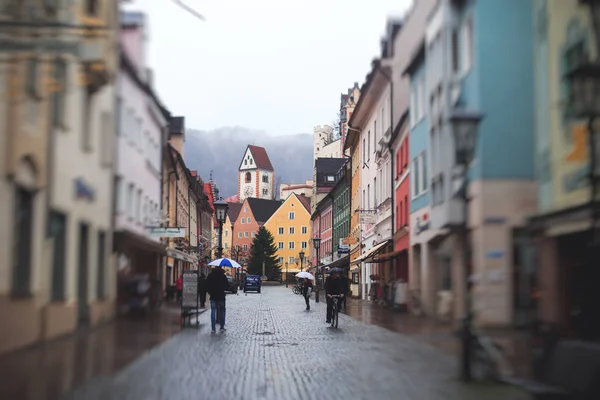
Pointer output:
x,y
334,310
297,289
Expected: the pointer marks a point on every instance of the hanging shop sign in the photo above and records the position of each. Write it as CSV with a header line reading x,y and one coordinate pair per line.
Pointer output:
x,y
83,191
343,248
422,223
166,232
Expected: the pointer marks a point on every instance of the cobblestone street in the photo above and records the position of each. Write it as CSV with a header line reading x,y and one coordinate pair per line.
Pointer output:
x,y
274,349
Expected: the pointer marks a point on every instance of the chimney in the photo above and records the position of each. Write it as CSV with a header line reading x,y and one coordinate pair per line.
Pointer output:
x,y
177,133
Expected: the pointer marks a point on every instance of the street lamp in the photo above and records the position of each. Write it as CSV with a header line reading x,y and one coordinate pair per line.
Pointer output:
x,y
317,245
301,255
286,275
464,126
221,211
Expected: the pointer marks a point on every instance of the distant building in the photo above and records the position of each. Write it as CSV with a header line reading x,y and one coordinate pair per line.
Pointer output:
x,y
301,189
325,173
325,144
347,105
256,176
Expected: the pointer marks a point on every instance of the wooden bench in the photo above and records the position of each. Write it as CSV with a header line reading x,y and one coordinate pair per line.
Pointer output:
x,y
571,371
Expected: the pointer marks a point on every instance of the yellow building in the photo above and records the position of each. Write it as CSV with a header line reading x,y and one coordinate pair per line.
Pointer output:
x,y
567,278
290,226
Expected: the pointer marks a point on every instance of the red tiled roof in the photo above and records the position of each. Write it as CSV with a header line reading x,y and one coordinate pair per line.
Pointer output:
x,y
233,199
305,202
261,158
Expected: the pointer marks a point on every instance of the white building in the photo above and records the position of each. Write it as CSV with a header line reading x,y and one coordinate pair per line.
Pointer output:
x,y
301,189
324,144
142,129
256,176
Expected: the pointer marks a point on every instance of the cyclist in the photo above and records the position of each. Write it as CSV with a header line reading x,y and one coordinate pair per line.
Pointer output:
x,y
334,285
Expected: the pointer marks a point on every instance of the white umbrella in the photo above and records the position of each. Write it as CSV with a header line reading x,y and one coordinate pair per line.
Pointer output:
x,y
305,274
224,262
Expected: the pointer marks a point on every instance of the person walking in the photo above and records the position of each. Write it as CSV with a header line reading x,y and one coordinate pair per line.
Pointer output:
x,y
334,286
216,285
179,288
202,289
307,287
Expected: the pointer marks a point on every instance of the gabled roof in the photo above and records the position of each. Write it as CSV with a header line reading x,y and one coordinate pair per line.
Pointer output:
x,y
262,209
234,211
261,158
304,200
328,166
209,193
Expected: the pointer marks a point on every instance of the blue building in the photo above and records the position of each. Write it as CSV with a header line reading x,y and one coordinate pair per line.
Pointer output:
x,y
479,59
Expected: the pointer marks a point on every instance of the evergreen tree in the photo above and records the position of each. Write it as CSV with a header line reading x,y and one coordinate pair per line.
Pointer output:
x,y
264,249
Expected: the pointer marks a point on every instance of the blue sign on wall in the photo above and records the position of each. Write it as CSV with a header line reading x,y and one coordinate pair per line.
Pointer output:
x,y
84,191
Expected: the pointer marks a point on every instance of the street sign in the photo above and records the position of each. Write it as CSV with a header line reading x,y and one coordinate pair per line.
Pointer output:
x,y
167,232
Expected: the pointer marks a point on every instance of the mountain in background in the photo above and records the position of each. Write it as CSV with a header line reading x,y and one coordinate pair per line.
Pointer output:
x,y
221,151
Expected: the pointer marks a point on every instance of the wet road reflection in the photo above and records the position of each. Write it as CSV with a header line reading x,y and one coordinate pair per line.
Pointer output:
x,y
48,371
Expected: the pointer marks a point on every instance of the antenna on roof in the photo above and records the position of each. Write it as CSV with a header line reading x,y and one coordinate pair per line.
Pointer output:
x,y
190,10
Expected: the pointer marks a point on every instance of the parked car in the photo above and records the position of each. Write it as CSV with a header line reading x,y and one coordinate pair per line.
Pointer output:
x,y
252,283
232,285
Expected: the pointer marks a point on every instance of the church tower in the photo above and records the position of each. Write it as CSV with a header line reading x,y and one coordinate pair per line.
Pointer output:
x,y
256,177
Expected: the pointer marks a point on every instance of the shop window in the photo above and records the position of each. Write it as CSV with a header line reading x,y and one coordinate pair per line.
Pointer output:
x,y
22,237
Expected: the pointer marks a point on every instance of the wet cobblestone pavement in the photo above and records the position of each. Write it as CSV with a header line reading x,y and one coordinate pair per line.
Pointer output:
x,y
274,349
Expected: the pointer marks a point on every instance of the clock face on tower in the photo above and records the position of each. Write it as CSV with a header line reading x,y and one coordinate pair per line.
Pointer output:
x,y
248,192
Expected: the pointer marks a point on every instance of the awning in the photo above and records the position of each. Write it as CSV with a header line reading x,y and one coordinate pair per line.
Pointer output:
x,y
374,251
388,256
125,239
341,263
180,255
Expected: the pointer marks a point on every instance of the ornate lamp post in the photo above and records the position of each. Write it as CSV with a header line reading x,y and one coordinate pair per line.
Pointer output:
x,y
317,245
221,213
301,255
464,126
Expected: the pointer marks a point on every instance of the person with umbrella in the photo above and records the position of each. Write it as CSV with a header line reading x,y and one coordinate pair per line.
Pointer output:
x,y
307,286
216,285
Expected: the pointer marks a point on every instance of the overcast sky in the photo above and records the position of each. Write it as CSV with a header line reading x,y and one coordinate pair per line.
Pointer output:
x,y
273,65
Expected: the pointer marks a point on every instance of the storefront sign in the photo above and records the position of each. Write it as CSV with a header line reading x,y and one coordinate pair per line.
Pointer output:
x,y
84,191
422,224
343,248
190,290
367,218
166,232
494,254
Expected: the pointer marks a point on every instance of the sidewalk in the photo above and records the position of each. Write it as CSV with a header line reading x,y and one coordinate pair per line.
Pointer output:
x,y
49,370
517,345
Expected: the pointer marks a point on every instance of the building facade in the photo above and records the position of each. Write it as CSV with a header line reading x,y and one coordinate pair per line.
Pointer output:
x,y
291,229
348,103
325,144
402,174
340,199
559,261
141,137
300,189
476,80
256,176
253,214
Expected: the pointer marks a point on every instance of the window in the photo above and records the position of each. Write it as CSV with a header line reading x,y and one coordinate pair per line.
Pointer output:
x,y
467,46
91,7
280,230
304,230
374,136
291,260
291,215
281,260
375,204
291,245
243,220
292,230
368,197
22,230
280,245
363,152
248,177
59,92
304,245
423,171
265,178
455,52
369,144
106,137
130,194
245,234
101,282
58,231
330,178
138,207
32,77
265,192
413,106
248,220
240,235
245,209
253,234
245,247
415,178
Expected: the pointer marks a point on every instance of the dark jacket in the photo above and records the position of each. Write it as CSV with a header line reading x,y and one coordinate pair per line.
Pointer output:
x,y
217,284
202,284
305,285
334,285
